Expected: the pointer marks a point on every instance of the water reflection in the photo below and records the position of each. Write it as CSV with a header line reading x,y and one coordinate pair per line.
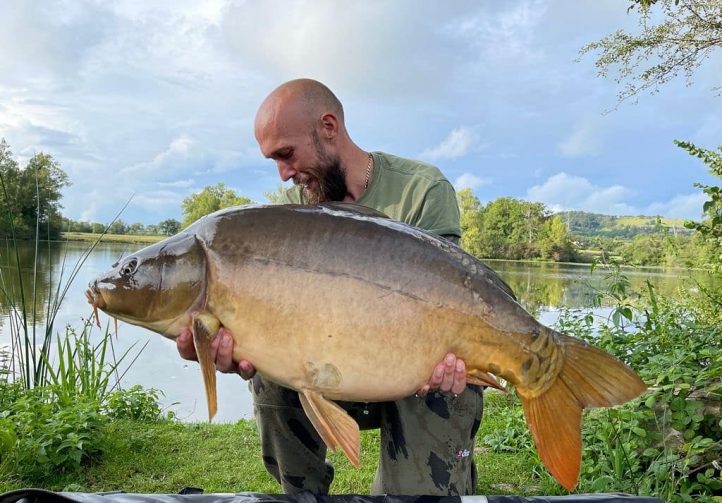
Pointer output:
x,y
18,289
547,286
542,288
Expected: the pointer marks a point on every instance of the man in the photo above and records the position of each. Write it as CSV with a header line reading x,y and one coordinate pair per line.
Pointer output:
x,y
426,440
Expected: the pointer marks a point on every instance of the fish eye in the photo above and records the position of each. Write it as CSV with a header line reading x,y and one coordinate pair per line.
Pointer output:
x,y
129,267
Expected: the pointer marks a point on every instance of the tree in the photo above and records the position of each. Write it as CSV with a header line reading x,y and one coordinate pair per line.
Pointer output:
x,y
136,228
169,227
118,227
211,198
277,196
471,221
511,228
688,33
30,197
711,227
556,242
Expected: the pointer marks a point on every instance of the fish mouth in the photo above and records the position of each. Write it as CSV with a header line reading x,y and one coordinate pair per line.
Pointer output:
x,y
95,299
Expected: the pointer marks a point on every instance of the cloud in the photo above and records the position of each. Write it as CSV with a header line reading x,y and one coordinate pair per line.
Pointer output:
x,y
687,206
458,143
504,36
566,192
563,192
584,139
179,184
469,181
347,45
158,200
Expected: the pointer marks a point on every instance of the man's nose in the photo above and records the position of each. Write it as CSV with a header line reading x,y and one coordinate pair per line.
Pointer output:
x,y
286,171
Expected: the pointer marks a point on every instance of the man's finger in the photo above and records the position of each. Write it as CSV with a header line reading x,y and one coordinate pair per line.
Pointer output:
x,y
246,370
436,377
449,372
224,357
186,349
459,378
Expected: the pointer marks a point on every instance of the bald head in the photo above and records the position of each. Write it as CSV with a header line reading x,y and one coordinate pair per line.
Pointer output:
x,y
300,126
298,103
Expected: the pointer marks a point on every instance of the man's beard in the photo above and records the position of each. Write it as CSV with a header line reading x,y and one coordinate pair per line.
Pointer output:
x,y
329,176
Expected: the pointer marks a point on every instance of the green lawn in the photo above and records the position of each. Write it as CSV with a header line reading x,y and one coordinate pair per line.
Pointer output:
x,y
115,238
165,456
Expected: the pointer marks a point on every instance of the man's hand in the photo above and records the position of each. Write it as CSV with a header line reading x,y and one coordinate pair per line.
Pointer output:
x,y
448,375
222,348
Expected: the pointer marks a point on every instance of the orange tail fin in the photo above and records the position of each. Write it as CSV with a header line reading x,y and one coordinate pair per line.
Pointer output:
x,y
589,378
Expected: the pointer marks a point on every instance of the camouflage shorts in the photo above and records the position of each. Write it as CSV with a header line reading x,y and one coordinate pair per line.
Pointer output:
x,y
427,444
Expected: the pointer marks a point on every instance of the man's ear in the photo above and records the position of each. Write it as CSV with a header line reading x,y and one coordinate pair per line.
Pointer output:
x,y
329,125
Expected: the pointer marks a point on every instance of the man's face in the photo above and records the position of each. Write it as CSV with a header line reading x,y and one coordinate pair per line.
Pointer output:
x,y
303,159
325,180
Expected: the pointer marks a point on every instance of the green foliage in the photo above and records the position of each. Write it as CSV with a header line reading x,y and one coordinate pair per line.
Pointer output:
x,y
40,436
512,229
169,227
511,433
471,221
83,369
687,33
594,225
277,196
135,403
117,227
48,431
555,242
211,198
668,443
711,227
30,196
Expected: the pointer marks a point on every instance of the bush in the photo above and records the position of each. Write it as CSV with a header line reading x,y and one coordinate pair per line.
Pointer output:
x,y
134,403
38,436
667,443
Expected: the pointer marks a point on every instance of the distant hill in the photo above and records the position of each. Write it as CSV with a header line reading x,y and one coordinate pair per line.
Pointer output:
x,y
583,224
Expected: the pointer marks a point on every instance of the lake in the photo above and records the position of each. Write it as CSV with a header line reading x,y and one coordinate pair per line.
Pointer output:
x,y
544,289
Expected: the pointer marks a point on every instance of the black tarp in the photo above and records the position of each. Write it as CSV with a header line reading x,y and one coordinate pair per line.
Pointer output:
x,y
191,496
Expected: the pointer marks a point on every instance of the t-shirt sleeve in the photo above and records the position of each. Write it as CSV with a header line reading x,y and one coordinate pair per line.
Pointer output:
x,y
439,212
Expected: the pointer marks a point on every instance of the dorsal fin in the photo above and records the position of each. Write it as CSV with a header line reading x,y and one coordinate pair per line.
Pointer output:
x,y
354,208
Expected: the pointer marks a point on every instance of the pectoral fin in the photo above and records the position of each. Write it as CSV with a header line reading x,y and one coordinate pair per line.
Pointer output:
x,y
333,424
481,378
205,327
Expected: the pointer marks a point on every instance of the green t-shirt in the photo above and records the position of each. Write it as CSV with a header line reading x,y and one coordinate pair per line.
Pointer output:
x,y
412,192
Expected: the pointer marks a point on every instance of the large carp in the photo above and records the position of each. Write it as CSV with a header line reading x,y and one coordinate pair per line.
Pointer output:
x,y
340,303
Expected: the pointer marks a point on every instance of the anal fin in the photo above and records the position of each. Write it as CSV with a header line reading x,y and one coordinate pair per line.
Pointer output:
x,y
204,330
333,424
481,378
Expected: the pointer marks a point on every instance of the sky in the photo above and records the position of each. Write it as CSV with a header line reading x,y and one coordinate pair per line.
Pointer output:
x,y
153,100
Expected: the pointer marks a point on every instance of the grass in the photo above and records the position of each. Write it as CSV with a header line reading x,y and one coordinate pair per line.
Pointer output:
x,y
166,456
113,238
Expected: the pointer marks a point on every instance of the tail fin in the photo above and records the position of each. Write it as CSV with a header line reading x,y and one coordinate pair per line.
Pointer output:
x,y
589,378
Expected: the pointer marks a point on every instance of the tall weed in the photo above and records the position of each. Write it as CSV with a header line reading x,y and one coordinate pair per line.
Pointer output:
x,y
83,369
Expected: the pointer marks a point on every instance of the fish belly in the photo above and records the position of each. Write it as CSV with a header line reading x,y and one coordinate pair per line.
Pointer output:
x,y
341,335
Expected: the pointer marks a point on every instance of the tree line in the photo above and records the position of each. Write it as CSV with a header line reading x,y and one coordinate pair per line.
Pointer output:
x,y
513,229
167,227
209,199
506,228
